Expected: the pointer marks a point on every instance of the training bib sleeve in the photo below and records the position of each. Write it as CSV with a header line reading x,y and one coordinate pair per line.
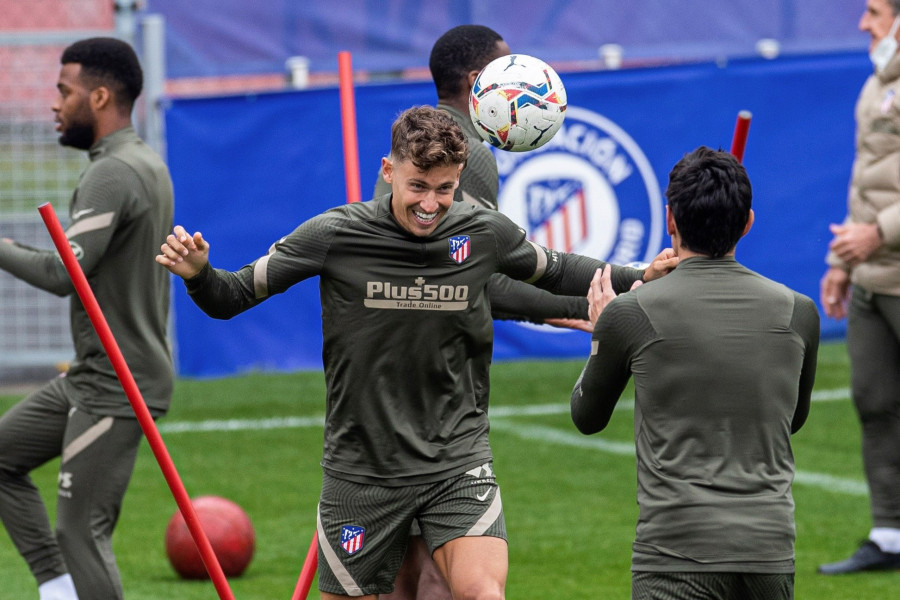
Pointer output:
x,y
806,323
621,326
223,294
517,301
101,195
557,272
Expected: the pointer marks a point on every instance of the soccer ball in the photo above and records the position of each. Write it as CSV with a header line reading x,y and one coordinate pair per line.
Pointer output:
x,y
229,531
518,103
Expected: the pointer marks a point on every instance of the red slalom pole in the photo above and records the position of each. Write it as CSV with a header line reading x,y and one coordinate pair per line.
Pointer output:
x,y
348,126
309,570
741,129
136,400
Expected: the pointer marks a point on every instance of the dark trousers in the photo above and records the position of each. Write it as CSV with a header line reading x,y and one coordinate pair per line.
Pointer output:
x,y
97,458
873,343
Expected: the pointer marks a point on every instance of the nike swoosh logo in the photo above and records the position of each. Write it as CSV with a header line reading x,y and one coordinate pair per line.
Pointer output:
x,y
482,497
80,213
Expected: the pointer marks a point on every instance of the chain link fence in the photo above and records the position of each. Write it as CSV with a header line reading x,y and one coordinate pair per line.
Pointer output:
x,y
34,168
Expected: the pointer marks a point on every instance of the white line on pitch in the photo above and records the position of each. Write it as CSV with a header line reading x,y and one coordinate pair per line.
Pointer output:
x,y
557,436
497,411
538,432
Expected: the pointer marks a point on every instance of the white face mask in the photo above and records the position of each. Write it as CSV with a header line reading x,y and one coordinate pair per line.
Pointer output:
x,y
886,48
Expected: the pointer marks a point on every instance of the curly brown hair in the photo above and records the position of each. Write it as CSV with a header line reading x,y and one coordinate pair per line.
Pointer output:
x,y
428,138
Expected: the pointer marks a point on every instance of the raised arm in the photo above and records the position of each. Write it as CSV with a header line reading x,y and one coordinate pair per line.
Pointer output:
x,y
184,255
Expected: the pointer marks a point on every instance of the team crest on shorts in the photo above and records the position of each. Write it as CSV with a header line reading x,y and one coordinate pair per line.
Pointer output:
x,y
460,248
589,190
352,538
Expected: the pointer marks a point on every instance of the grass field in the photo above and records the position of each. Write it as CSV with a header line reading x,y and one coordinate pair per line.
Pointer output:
x,y
569,499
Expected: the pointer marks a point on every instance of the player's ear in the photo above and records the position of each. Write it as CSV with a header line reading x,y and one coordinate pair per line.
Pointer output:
x,y
387,169
470,79
670,221
749,224
100,97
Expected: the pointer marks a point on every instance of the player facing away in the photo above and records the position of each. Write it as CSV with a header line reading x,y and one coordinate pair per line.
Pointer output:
x,y
723,362
121,207
407,348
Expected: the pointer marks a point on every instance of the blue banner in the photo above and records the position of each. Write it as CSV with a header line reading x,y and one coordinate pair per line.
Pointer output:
x,y
248,169
230,37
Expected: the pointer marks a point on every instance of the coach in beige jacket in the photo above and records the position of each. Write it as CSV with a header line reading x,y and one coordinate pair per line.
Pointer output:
x,y
863,284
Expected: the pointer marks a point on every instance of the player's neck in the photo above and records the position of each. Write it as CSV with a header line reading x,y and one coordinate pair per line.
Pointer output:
x,y
460,103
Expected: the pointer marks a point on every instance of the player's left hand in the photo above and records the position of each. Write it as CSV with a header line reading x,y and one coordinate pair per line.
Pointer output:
x,y
665,262
600,293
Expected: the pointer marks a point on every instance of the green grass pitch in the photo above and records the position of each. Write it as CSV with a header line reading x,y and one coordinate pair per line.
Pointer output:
x,y
569,499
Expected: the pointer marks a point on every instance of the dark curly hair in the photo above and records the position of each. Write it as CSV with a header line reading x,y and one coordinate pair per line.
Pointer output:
x,y
108,62
462,49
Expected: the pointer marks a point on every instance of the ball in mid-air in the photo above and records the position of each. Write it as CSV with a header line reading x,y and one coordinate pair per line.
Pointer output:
x,y
518,102
230,534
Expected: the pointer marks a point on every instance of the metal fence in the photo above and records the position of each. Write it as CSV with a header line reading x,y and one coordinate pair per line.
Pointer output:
x,y
34,168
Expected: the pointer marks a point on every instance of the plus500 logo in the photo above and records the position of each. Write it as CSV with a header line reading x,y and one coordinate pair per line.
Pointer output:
x,y
422,291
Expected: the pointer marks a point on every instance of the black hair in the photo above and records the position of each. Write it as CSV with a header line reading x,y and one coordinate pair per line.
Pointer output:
x,y
109,62
709,195
460,50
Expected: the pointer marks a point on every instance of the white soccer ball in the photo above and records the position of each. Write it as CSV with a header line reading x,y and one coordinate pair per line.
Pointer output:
x,y
518,103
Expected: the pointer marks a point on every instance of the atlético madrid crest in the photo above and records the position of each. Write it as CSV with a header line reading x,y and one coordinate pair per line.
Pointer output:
x,y
460,248
352,538
590,190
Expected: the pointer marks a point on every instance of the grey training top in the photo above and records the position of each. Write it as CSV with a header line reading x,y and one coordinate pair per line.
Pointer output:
x,y
407,328
478,185
119,214
723,362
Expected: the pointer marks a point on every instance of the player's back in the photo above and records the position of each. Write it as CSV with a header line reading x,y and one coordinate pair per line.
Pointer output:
x,y
715,393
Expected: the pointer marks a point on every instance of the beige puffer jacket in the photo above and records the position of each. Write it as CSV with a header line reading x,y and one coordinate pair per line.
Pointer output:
x,y
874,194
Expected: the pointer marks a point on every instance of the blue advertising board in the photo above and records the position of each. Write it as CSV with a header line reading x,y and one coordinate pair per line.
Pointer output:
x,y
248,169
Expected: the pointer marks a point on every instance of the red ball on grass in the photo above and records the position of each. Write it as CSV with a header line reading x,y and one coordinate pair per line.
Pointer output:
x,y
230,534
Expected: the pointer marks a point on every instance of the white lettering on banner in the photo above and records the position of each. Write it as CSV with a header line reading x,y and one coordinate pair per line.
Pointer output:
x,y
590,190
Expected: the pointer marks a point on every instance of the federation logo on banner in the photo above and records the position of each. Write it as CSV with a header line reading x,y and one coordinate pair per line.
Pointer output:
x,y
460,248
590,190
352,538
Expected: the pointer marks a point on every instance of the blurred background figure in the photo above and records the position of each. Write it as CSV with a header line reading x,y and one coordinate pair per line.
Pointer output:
x,y
862,283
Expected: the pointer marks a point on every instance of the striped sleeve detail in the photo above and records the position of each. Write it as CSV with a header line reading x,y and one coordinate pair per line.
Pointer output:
x,y
261,277
94,223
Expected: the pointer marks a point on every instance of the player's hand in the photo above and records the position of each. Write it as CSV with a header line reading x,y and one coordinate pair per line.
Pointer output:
x,y
600,293
665,262
182,254
835,292
854,243
576,324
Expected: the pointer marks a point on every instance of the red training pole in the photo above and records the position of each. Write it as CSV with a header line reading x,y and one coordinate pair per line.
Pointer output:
x,y
136,400
309,570
348,126
741,129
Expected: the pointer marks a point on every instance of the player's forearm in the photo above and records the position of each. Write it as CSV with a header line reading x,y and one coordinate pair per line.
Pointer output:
x,y
515,300
40,268
593,399
221,294
571,274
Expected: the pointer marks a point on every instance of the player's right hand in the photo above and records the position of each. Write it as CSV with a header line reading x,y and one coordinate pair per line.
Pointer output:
x,y
664,263
834,290
182,254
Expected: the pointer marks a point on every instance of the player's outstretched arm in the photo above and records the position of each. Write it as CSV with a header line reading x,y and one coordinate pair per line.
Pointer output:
x,y
182,254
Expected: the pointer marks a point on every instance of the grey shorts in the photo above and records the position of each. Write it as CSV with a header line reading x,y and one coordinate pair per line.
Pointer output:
x,y
364,529
647,585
